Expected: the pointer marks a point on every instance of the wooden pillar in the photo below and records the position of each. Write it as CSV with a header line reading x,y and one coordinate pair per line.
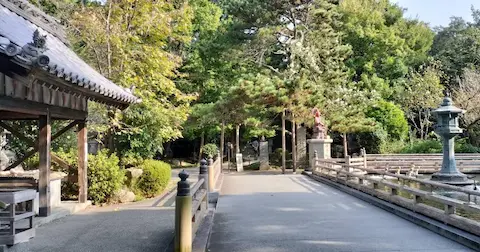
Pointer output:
x,y
82,162
44,138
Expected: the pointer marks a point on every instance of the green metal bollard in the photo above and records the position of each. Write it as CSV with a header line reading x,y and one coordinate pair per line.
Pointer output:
x,y
183,215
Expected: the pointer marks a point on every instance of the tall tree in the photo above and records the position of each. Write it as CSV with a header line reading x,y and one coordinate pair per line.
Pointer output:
x,y
385,44
142,43
419,95
457,47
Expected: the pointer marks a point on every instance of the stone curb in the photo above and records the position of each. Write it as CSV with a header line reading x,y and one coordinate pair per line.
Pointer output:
x,y
455,234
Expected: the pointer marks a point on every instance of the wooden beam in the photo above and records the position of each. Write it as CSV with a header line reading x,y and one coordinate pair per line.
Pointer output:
x,y
44,138
17,134
35,148
13,116
82,162
36,108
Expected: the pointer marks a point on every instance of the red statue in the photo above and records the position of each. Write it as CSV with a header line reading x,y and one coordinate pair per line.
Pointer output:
x,y
319,129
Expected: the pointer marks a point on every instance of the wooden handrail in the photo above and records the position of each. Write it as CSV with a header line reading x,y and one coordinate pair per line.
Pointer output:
x,y
380,172
342,175
197,186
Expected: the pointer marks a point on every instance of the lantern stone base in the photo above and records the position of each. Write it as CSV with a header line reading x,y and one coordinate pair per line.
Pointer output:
x,y
457,179
322,147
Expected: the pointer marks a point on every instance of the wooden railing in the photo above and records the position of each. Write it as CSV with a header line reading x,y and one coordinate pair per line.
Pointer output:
x,y
421,196
191,205
214,169
423,163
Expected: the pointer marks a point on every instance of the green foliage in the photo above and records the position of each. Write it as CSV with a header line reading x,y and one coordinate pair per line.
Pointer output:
x,y
391,118
419,95
435,146
104,177
373,141
457,47
202,120
150,124
210,150
69,187
155,177
275,158
385,45
425,146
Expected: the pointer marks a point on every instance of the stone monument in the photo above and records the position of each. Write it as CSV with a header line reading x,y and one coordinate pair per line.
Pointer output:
x,y
447,127
320,142
302,145
263,157
239,162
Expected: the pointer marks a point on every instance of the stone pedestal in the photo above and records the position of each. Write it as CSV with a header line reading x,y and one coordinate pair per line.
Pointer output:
x,y
322,147
239,161
302,145
449,174
264,162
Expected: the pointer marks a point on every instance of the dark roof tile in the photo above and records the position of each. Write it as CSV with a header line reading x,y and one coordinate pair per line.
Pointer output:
x,y
63,61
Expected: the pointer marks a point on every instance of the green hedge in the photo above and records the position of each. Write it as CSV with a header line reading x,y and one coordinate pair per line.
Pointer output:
x,y
155,178
104,177
210,150
435,146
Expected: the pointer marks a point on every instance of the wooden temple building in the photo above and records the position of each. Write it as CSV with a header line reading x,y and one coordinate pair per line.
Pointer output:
x,y
42,79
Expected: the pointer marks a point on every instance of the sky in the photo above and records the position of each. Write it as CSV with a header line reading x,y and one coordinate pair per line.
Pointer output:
x,y
438,12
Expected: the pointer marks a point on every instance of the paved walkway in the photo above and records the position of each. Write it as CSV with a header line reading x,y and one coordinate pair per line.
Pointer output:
x,y
146,226
126,228
285,213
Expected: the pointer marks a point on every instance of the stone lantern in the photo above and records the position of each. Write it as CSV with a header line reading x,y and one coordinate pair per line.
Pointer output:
x,y
447,127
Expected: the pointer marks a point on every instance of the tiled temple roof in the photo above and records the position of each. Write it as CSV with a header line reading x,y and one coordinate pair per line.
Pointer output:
x,y
19,20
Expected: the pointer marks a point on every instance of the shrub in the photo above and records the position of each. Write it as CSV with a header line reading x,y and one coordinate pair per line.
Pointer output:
x,y
275,158
461,146
391,117
372,141
155,177
104,176
424,146
70,186
131,160
210,150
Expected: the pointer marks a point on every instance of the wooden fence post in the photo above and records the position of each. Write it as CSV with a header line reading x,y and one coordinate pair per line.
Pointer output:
x,y
204,174
183,215
364,152
211,175
348,162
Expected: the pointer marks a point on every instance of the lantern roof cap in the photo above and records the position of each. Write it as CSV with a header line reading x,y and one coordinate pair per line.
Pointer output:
x,y
447,107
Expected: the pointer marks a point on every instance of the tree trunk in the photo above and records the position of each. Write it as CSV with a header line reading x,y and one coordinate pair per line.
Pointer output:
x,y
294,145
345,145
237,139
284,144
421,125
202,142
222,144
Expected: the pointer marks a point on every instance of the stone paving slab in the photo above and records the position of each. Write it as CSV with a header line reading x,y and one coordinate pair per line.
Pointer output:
x,y
294,213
